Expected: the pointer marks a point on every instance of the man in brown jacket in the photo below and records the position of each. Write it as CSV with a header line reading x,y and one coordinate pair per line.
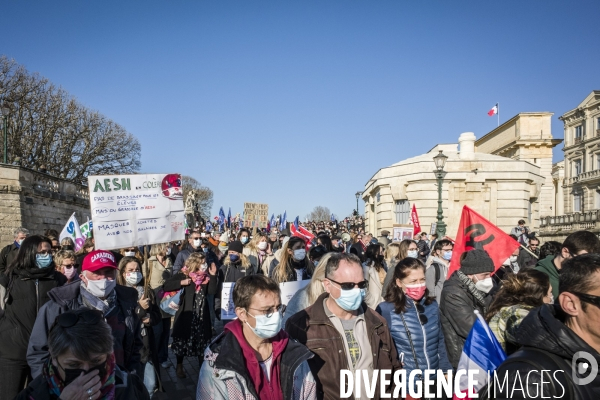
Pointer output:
x,y
342,332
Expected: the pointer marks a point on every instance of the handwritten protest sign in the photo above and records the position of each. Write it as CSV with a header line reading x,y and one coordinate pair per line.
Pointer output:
x,y
256,214
136,210
227,307
289,289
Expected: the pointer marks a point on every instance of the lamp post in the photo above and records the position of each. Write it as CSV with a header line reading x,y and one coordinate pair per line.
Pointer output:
x,y
4,110
440,161
357,194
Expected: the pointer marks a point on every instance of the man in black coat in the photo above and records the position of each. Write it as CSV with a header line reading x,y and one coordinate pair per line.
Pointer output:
x,y
558,338
360,246
464,292
9,252
97,290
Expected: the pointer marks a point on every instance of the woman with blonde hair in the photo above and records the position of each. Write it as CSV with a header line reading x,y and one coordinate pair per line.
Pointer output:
x,y
192,330
66,265
256,250
293,265
392,254
406,248
308,295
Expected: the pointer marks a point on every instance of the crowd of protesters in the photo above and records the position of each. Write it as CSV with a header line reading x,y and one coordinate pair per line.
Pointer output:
x,y
96,324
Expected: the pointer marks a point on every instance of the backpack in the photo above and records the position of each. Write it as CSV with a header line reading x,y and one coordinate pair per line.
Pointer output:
x,y
438,272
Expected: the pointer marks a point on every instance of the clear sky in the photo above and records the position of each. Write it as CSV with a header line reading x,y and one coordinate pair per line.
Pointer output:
x,y
298,103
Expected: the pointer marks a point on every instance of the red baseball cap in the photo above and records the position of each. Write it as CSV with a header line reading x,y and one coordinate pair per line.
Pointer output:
x,y
99,259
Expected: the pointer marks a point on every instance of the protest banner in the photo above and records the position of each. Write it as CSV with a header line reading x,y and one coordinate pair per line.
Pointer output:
x,y
256,215
136,210
289,289
227,307
72,230
86,229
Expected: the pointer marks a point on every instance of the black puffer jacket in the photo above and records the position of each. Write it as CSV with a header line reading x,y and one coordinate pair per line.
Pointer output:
x,y
27,293
457,312
547,345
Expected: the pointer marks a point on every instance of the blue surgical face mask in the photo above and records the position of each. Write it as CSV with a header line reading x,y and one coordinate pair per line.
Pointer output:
x,y
244,240
234,258
350,300
43,261
205,249
447,255
266,327
413,253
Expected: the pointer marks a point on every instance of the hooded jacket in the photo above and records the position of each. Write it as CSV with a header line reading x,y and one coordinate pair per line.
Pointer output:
x,y
225,375
67,298
547,266
548,344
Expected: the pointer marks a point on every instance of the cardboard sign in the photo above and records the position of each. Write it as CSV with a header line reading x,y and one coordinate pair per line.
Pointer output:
x,y
289,289
136,210
227,307
256,215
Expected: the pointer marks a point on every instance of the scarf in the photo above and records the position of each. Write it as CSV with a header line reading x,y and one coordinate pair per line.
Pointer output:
x,y
56,384
199,279
35,273
471,288
91,301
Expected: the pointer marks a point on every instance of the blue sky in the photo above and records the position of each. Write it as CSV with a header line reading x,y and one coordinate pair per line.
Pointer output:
x,y
299,103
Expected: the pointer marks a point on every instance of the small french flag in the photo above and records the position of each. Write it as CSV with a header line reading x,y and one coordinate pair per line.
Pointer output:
x,y
483,353
493,111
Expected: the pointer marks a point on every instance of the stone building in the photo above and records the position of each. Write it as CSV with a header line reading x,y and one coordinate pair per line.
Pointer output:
x,y
577,178
506,175
37,201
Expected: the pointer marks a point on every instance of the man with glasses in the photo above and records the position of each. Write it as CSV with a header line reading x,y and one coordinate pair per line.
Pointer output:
x,y
577,243
359,248
194,245
341,331
525,258
561,338
253,357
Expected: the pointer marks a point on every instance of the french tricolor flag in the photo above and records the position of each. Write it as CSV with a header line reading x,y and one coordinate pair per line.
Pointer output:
x,y
481,353
493,111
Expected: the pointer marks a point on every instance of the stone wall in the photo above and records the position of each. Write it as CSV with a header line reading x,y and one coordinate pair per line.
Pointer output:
x,y
37,201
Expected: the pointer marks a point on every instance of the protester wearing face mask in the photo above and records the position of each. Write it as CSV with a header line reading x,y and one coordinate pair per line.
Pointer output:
x,y
65,264
130,275
256,250
408,248
509,267
24,289
519,294
192,328
9,253
414,320
67,244
82,363
437,267
353,337
294,265
254,357
132,251
244,236
375,272
465,291
194,245
97,290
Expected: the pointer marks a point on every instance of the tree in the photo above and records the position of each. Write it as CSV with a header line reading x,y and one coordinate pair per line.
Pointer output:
x,y
48,128
319,213
204,196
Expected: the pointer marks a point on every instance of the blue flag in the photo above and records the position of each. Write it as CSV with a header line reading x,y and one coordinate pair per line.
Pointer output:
x,y
229,218
297,222
332,217
209,226
272,222
221,218
283,223
241,224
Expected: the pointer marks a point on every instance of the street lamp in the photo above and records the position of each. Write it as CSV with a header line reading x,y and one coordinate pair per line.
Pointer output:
x,y
4,110
357,194
440,161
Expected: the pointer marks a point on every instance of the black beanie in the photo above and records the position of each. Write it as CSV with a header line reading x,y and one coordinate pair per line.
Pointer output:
x,y
237,246
476,262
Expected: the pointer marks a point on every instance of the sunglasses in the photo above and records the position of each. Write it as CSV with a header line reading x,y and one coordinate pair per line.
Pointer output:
x,y
351,285
69,319
69,266
421,310
588,298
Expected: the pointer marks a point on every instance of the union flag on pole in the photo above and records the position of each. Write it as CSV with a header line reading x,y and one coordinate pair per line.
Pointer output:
x,y
414,219
476,232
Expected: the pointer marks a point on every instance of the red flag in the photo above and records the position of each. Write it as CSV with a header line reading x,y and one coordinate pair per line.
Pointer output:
x,y
414,217
476,232
301,232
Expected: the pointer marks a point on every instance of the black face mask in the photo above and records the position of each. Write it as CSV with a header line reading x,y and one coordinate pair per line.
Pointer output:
x,y
67,247
73,373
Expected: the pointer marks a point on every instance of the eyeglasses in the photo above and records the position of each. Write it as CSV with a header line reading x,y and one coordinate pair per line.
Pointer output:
x,y
588,298
351,285
68,266
69,319
422,317
270,311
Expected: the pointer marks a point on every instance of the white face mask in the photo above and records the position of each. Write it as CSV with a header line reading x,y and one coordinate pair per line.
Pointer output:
x,y
485,285
196,243
413,253
168,252
100,288
133,278
513,259
129,253
262,246
203,267
299,254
